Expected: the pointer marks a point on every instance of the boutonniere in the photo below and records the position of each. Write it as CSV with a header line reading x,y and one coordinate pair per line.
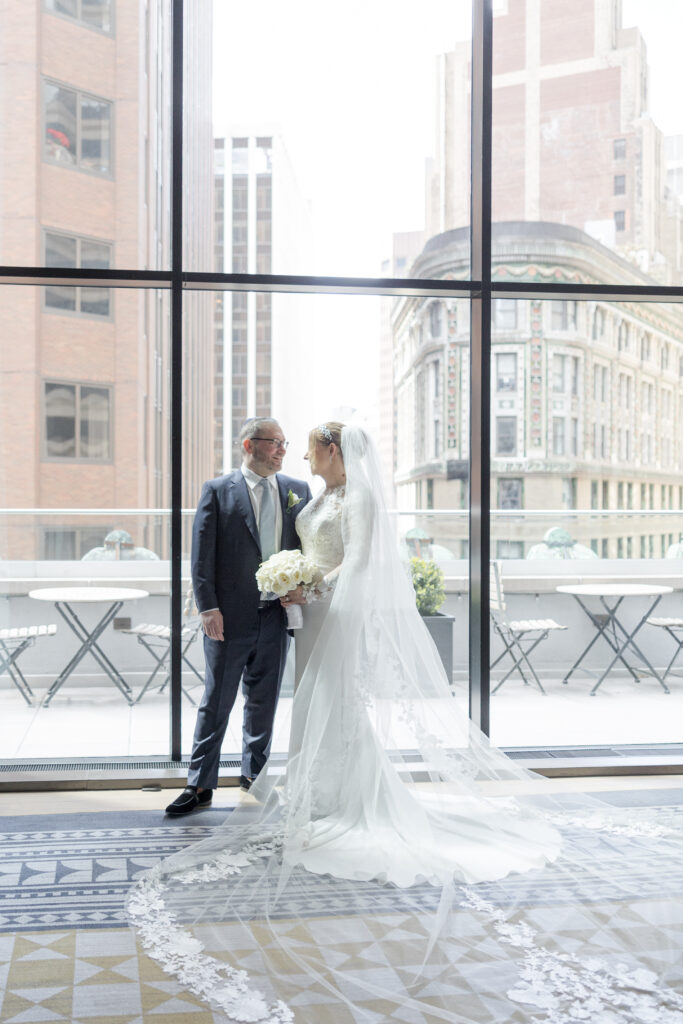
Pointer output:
x,y
292,500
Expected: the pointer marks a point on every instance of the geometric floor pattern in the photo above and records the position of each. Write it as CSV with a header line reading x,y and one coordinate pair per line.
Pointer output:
x,y
88,977
66,953
60,871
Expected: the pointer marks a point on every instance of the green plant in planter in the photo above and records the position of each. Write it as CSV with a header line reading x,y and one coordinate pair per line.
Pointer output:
x,y
428,580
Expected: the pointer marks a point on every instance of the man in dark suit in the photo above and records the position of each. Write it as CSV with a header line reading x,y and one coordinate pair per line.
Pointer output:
x,y
242,518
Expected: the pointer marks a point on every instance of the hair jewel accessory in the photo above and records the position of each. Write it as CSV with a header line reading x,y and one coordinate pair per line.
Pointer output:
x,y
326,432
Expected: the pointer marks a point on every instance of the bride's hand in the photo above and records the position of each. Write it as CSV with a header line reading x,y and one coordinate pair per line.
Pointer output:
x,y
296,596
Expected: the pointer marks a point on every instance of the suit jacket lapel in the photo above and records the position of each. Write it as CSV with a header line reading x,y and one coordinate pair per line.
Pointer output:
x,y
243,503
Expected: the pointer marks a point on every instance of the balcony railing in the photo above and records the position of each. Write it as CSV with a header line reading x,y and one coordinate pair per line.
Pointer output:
x,y
90,710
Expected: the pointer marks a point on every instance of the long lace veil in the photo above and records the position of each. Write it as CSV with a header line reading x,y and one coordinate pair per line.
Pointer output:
x,y
400,868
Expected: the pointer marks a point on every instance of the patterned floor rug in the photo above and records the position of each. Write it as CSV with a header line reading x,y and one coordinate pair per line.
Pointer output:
x,y
66,953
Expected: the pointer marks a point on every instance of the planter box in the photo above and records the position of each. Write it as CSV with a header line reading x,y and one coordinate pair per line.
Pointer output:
x,y
440,627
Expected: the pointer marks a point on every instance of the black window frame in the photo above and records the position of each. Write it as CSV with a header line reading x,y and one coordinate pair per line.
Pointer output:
x,y
480,290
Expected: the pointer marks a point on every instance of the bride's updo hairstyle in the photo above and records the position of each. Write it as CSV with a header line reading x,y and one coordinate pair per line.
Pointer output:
x,y
328,433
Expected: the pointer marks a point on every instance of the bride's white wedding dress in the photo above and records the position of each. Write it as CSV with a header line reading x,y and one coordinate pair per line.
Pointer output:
x,y
399,868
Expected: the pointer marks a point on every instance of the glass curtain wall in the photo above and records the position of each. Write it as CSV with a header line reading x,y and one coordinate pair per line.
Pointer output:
x,y
510,336
585,390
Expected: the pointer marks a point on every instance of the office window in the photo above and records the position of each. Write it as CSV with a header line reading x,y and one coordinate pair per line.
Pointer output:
x,y
71,251
623,338
78,129
645,347
62,543
620,220
594,494
91,13
558,435
77,421
430,492
665,356
619,184
563,315
506,435
510,549
574,436
569,492
619,149
558,373
506,371
504,314
598,328
510,493
435,319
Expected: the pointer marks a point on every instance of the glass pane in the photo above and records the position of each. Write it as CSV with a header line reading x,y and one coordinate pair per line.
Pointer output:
x,y
268,360
60,251
586,129
585,536
69,7
95,420
95,301
85,505
60,124
334,187
95,135
60,420
100,94
97,13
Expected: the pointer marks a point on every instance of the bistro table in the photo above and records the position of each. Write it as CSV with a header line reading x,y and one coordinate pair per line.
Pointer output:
x,y
609,625
63,598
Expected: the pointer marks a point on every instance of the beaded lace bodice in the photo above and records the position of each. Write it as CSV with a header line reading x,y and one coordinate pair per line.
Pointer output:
x,y
319,526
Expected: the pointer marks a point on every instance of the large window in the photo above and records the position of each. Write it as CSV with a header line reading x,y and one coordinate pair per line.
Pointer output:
x,y
77,421
68,251
78,129
296,203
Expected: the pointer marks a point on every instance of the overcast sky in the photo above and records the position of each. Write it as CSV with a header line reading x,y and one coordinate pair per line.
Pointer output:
x,y
351,89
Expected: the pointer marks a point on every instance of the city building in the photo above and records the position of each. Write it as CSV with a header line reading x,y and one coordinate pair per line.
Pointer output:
x,y
84,372
261,341
586,398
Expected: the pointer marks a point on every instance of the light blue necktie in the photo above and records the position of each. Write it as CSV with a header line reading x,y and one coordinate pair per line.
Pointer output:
x,y
266,525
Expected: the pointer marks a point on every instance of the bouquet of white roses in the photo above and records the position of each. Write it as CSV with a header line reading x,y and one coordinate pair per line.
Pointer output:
x,y
285,571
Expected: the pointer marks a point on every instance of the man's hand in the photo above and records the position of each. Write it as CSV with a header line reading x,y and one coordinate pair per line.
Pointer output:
x,y
212,624
296,596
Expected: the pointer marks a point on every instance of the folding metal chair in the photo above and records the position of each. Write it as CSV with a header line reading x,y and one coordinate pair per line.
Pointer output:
x,y
157,640
519,637
13,643
674,627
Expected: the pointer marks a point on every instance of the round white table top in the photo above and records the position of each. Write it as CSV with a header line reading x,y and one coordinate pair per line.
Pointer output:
x,y
614,589
87,595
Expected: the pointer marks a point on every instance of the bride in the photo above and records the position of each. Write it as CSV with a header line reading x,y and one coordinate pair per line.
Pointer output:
x,y
398,867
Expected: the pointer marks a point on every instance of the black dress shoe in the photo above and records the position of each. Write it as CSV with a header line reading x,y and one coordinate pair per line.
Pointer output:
x,y
245,783
190,800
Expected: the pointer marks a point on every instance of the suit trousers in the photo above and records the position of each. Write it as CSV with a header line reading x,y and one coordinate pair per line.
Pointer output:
x,y
258,660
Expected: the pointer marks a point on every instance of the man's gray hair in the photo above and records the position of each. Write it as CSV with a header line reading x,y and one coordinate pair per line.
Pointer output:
x,y
252,427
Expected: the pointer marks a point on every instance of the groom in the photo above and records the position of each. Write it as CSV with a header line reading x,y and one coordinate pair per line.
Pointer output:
x,y
242,518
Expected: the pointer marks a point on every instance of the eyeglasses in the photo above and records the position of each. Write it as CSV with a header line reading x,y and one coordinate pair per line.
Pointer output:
x,y
275,441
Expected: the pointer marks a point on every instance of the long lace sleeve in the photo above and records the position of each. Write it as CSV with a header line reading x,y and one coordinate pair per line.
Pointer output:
x,y
358,517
